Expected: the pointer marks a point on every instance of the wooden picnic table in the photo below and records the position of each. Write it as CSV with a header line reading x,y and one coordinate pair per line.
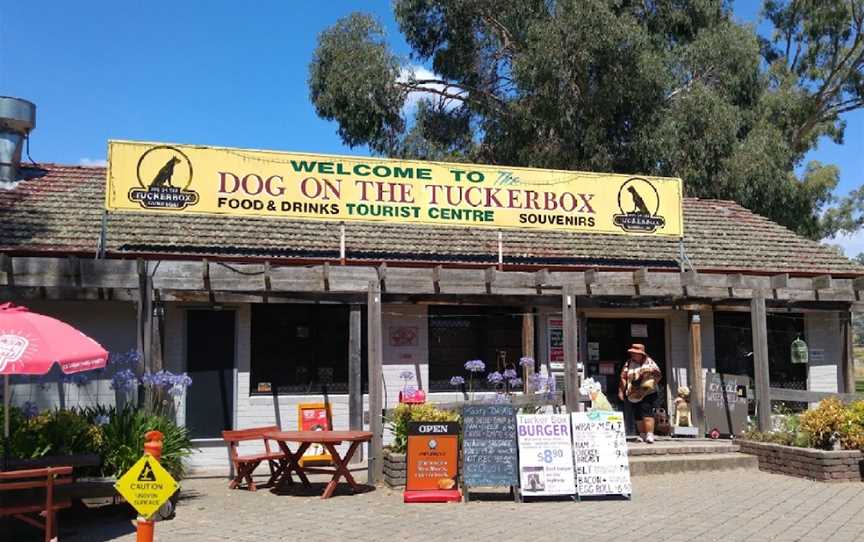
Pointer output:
x,y
328,439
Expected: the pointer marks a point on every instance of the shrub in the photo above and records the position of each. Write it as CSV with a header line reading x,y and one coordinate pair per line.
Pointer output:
x,y
55,432
826,424
124,431
402,414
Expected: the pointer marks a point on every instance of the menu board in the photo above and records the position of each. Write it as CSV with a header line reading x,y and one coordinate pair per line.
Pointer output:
x,y
545,457
726,403
489,446
600,453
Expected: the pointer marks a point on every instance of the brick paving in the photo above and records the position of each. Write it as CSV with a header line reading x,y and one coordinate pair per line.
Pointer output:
x,y
724,505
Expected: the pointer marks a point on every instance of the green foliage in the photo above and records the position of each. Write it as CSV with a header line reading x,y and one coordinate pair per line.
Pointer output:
x,y
820,427
124,439
54,432
397,423
667,87
117,436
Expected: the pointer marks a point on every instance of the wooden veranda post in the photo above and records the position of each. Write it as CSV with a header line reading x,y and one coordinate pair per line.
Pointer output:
x,y
528,347
355,370
375,362
848,353
571,345
759,323
697,387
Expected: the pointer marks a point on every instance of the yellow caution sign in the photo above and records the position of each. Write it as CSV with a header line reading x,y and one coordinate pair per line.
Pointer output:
x,y
146,486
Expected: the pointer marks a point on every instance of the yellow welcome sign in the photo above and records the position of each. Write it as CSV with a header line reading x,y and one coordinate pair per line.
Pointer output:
x,y
169,178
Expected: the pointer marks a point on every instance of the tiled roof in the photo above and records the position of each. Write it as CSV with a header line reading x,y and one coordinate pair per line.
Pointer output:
x,y
59,209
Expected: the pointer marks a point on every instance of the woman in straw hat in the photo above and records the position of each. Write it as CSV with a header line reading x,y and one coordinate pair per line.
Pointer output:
x,y
639,379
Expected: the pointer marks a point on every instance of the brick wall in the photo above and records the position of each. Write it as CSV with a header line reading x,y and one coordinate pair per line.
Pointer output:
x,y
821,465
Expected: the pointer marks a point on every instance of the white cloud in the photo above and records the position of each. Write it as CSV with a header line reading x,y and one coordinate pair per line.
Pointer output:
x,y
92,162
420,73
852,244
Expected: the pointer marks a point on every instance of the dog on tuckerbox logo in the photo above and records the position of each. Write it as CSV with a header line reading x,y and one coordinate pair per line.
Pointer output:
x,y
594,390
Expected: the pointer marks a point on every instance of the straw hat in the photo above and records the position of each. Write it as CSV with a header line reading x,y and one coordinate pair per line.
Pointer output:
x,y
637,348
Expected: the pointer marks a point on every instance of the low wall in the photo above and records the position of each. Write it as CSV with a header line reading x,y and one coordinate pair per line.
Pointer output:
x,y
821,465
394,469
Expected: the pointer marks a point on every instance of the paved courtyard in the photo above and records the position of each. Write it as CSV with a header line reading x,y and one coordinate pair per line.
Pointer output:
x,y
729,505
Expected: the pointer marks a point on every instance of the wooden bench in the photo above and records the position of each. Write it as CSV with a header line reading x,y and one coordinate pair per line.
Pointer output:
x,y
26,493
245,465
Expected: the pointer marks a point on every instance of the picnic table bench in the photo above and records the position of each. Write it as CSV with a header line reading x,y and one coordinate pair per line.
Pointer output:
x,y
328,439
245,465
28,493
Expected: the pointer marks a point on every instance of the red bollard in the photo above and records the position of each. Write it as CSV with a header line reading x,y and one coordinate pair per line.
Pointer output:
x,y
153,447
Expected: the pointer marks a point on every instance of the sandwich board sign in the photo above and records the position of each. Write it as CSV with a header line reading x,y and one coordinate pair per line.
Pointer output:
x,y
600,454
146,486
545,455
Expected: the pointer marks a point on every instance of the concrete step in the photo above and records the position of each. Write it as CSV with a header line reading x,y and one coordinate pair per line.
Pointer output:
x,y
677,463
678,447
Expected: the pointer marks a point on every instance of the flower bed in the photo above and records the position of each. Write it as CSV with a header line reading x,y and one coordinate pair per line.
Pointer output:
x,y
822,465
824,443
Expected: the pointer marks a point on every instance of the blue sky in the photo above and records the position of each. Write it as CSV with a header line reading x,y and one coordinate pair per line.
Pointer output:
x,y
221,73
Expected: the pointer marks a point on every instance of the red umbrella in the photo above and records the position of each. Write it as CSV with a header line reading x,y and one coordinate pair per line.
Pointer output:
x,y
32,343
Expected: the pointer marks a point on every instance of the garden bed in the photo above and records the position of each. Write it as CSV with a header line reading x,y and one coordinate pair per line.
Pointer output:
x,y
821,465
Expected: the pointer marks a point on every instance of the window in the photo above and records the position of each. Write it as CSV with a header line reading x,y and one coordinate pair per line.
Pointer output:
x,y
733,340
302,348
461,333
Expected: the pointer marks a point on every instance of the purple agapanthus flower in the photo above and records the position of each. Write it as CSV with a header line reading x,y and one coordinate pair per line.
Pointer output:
x,y
406,375
475,366
124,380
515,382
29,409
102,419
510,374
457,381
526,362
79,379
538,381
495,377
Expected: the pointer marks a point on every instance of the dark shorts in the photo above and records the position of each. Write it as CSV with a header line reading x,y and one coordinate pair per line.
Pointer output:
x,y
645,408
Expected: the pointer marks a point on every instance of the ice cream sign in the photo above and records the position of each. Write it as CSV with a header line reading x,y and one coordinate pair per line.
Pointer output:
x,y
12,348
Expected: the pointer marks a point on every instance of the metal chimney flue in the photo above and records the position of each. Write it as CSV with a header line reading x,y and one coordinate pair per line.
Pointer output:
x,y
17,119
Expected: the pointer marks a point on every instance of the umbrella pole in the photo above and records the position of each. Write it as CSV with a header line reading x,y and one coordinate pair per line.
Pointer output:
x,y
6,404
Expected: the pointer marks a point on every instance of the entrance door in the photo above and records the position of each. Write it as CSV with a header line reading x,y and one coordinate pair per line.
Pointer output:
x,y
210,363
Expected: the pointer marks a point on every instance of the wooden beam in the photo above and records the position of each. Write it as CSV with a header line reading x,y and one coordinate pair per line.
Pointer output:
x,y
591,276
697,387
489,279
571,348
640,276
382,275
7,269
541,277
375,346
325,276
759,325
779,282
528,348
857,284
823,282
436,279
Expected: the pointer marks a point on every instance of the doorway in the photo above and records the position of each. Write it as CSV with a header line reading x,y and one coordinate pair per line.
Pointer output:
x,y
607,342
210,363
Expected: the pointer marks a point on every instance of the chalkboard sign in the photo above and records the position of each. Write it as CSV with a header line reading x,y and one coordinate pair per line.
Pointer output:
x,y
726,403
489,449
600,454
